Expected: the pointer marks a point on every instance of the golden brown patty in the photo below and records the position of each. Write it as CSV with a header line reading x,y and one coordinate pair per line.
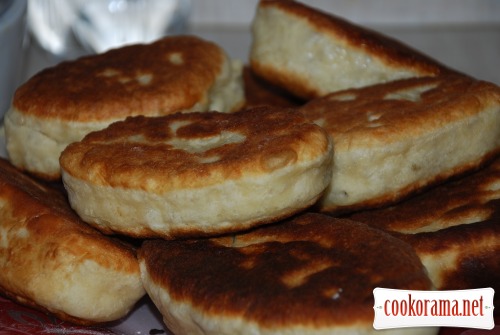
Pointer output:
x,y
312,274
52,261
61,104
197,173
394,139
312,53
454,228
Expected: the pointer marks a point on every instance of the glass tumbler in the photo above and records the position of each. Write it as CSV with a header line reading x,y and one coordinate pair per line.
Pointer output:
x,y
99,25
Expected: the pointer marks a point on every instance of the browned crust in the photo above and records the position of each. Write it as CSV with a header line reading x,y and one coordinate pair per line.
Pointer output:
x,y
253,274
477,249
391,51
259,92
106,86
273,139
450,98
461,216
451,203
412,190
286,80
345,116
45,213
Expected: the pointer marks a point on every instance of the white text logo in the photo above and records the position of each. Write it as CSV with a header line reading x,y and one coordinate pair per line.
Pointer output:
x,y
461,308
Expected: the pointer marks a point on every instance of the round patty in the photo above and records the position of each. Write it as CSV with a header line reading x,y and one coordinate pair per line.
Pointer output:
x,y
312,274
198,173
63,103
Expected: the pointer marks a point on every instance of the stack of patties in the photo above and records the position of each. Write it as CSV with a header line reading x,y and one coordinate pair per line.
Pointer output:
x,y
454,228
61,104
52,261
186,178
222,198
401,124
400,121
238,178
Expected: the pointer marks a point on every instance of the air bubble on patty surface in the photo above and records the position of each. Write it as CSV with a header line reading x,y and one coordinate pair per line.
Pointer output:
x,y
413,94
176,58
199,145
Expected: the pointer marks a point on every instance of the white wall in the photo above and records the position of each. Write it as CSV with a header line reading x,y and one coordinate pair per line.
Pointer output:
x,y
372,12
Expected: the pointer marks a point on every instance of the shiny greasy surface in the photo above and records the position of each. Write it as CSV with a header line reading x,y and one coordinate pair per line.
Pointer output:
x,y
195,149
312,270
37,227
385,113
132,80
462,217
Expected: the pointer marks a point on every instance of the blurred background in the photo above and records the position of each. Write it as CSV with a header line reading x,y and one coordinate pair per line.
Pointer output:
x,y
398,12
464,34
